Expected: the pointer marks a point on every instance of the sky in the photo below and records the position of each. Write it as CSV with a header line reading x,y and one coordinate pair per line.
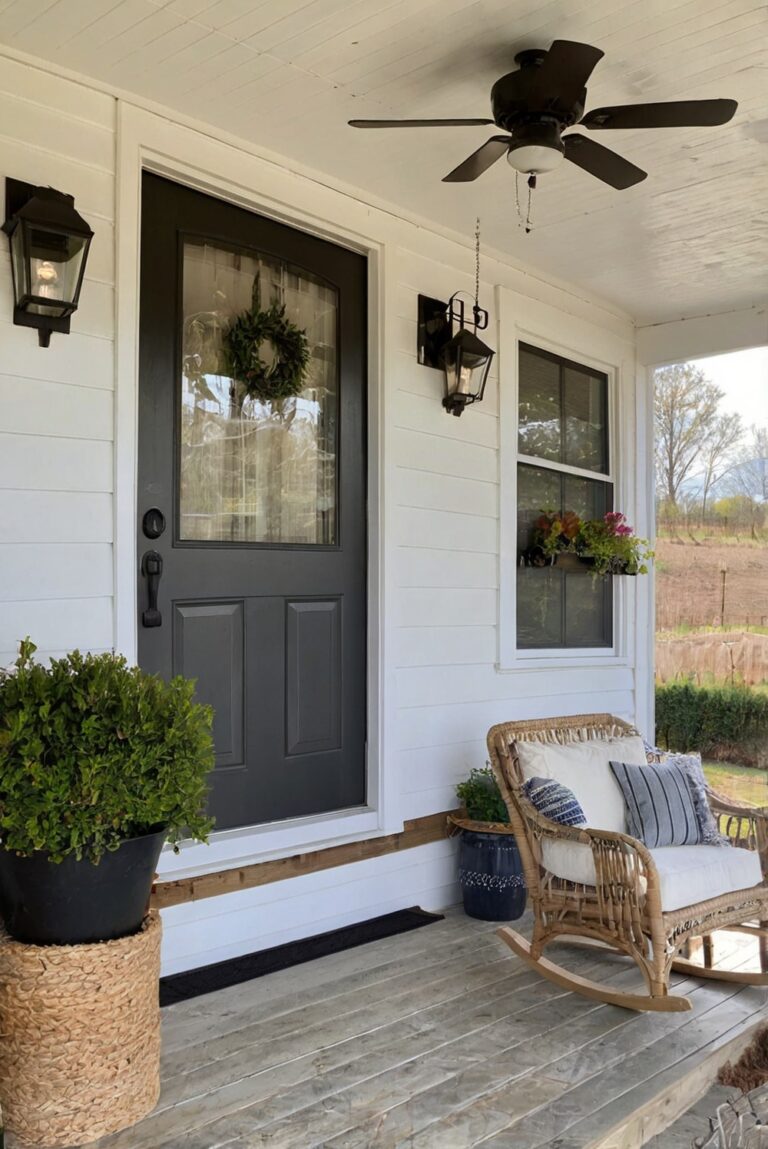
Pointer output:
x,y
743,376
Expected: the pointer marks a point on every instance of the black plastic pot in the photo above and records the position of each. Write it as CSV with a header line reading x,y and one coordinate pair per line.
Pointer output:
x,y
491,876
74,903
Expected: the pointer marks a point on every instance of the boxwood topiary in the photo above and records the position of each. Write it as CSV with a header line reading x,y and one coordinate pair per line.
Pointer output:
x,y
93,750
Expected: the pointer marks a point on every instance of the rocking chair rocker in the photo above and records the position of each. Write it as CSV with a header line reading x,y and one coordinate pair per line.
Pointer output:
x,y
625,908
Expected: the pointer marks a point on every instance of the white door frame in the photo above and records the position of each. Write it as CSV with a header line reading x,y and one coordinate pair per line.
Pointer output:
x,y
150,142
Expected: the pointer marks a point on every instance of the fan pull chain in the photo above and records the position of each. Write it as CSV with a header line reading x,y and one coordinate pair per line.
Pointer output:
x,y
529,213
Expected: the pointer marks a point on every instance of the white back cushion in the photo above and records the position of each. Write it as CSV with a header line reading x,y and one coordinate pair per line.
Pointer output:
x,y
584,768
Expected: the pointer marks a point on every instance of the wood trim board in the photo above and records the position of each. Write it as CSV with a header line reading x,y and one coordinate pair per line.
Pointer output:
x,y
415,832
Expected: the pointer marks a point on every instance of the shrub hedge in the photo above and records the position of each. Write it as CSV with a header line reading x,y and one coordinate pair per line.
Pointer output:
x,y
716,720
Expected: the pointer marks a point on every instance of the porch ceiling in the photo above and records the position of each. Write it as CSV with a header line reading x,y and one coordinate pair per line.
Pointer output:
x,y
288,74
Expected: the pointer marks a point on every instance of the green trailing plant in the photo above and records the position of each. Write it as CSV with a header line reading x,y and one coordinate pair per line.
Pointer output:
x,y
481,798
285,377
613,546
716,720
609,544
93,751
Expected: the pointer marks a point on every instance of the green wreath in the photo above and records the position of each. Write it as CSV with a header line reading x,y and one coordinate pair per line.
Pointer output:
x,y
242,342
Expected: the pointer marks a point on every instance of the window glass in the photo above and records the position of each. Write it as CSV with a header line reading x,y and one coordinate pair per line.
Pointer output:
x,y
539,418
562,413
562,420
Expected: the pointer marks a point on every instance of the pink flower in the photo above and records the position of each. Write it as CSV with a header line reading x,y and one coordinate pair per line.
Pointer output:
x,y
617,522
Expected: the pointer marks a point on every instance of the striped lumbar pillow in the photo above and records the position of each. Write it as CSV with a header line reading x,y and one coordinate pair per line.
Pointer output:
x,y
554,801
660,809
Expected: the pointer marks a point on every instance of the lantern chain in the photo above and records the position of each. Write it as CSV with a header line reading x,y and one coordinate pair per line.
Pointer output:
x,y
476,308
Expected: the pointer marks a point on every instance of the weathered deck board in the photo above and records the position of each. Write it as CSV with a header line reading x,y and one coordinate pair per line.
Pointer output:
x,y
439,1039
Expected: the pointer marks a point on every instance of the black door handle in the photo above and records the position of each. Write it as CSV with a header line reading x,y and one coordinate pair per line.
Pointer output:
x,y
152,568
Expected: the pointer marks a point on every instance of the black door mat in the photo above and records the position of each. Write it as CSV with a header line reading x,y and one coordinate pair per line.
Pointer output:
x,y
206,979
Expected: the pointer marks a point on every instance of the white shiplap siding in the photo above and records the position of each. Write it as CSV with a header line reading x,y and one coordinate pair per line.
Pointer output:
x,y
440,483
56,403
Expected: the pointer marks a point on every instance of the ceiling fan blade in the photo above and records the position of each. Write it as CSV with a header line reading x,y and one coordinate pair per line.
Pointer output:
x,y
562,76
417,123
479,162
675,114
608,166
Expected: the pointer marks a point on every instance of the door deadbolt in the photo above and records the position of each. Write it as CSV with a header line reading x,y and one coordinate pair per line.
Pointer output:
x,y
153,523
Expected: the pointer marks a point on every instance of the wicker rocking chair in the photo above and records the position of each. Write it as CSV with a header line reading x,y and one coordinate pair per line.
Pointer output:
x,y
624,908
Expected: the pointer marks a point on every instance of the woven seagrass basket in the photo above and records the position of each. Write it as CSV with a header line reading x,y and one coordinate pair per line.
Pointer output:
x,y
80,1048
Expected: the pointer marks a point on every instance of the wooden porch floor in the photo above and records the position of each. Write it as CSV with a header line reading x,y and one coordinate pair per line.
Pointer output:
x,y
437,1039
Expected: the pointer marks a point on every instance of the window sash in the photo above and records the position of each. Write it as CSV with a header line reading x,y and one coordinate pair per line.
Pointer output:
x,y
566,592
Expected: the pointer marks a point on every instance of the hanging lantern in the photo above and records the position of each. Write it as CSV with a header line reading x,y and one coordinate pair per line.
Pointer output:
x,y
49,242
466,359
447,340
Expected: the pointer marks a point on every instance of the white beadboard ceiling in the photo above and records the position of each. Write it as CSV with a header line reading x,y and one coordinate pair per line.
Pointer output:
x,y
287,75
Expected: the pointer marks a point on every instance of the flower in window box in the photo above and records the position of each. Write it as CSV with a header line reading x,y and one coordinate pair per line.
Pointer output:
x,y
555,533
613,546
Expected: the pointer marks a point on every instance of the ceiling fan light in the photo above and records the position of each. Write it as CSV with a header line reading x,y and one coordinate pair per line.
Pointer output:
x,y
533,159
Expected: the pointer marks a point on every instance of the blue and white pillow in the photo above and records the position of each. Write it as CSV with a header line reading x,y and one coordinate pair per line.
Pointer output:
x,y
554,801
659,802
694,771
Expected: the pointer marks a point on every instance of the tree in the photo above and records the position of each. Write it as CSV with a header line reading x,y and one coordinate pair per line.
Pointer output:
x,y
740,512
692,437
727,431
750,474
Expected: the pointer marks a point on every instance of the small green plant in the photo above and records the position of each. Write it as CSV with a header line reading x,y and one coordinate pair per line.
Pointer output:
x,y
481,798
93,751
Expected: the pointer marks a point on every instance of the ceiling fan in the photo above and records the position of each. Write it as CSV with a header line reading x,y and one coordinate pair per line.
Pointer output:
x,y
546,95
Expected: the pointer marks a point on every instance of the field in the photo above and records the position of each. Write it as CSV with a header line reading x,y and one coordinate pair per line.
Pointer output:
x,y
697,576
712,609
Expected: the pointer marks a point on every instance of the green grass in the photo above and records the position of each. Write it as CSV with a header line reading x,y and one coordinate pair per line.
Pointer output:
x,y
742,783
685,628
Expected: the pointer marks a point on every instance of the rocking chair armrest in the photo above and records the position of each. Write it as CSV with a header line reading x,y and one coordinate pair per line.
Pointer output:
x,y
602,844
720,805
744,826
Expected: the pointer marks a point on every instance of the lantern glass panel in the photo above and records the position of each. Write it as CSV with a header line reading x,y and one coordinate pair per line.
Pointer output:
x,y
19,264
55,268
467,363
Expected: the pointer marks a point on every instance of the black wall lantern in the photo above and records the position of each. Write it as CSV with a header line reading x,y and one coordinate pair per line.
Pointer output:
x,y
49,244
446,339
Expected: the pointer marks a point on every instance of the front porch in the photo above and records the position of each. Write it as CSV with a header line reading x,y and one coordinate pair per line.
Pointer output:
x,y
443,1039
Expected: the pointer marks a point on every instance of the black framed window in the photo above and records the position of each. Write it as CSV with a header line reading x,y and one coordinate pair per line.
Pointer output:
x,y
563,465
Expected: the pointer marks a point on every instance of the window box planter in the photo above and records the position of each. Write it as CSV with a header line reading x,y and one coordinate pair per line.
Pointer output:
x,y
564,560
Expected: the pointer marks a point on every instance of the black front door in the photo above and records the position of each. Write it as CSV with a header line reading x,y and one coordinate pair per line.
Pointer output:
x,y
251,508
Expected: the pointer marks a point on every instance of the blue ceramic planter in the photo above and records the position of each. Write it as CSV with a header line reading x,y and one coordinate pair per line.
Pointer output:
x,y
491,876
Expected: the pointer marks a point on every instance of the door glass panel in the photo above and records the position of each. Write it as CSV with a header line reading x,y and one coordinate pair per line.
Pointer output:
x,y
252,470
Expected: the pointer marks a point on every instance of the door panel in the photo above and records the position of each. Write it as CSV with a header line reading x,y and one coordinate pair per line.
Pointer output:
x,y
208,646
312,676
262,590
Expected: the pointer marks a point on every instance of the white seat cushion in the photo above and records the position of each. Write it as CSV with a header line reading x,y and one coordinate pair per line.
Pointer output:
x,y
690,874
584,767
687,874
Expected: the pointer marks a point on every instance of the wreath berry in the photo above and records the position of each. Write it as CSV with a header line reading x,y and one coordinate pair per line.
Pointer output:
x,y
242,342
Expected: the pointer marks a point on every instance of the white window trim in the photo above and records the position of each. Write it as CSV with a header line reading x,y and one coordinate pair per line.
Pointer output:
x,y
147,142
522,320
